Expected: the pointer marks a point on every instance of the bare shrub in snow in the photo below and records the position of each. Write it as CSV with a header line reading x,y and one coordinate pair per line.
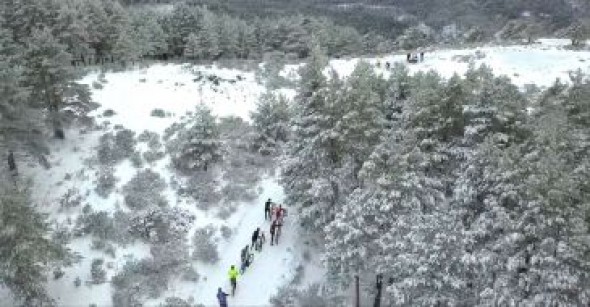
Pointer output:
x,y
105,181
145,190
158,113
97,272
205,248
113,148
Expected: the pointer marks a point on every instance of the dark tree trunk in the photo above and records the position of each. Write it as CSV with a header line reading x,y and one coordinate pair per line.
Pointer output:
x,y
379,286
357,291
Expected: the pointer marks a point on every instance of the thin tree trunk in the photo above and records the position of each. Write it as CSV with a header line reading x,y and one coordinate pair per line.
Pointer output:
x,y
379,286
357,291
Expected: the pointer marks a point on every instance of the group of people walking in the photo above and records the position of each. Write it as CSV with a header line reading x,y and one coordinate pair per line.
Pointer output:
x,y
275,213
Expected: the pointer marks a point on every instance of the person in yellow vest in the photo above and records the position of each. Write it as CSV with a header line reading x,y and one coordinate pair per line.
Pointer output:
x,y
233,278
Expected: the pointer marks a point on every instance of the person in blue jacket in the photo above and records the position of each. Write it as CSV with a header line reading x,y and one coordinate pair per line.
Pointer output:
x,y
222,298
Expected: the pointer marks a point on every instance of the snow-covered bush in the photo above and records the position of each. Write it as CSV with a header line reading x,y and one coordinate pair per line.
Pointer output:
x,y
97,85
236,191
194,144
148,136
203,188
144,190
71,199
102,226
312,296
77,282
105,181
113,148
98,224
226,232
175,302
108,113
158,113
190,274
58,273
152,156
161,225
149,278
136,281
136,159
97,272
205,247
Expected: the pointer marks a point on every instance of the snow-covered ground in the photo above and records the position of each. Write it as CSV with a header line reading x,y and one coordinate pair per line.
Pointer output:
x,y
540,64
176,89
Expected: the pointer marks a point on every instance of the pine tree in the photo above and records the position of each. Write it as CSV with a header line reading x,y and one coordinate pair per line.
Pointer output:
x,y
19,119
192,48
271,120
26,252
209,36
48,73
197,145
148,33
308,176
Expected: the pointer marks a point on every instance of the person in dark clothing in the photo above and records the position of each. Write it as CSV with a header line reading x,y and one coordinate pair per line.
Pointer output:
x,y
421,56
267,214
273,227
255,236
11,162
222,298
408,57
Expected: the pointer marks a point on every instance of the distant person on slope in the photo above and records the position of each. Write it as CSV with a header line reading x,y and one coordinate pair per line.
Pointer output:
x,y
273,227
222,298
233,279
255,236
261,240
267,212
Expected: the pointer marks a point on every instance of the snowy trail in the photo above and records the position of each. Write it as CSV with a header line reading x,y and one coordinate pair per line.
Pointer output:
x,y
272,267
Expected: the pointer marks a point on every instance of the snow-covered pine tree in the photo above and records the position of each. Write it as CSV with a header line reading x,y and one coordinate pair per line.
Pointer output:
x,y
361,121
271,120
308,175
19,120
228,36
26,251
148,33
196,146
209,35
48,73
192,48
494,118
126,50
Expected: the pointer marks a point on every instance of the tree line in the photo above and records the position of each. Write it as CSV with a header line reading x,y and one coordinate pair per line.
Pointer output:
x,y
459,191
